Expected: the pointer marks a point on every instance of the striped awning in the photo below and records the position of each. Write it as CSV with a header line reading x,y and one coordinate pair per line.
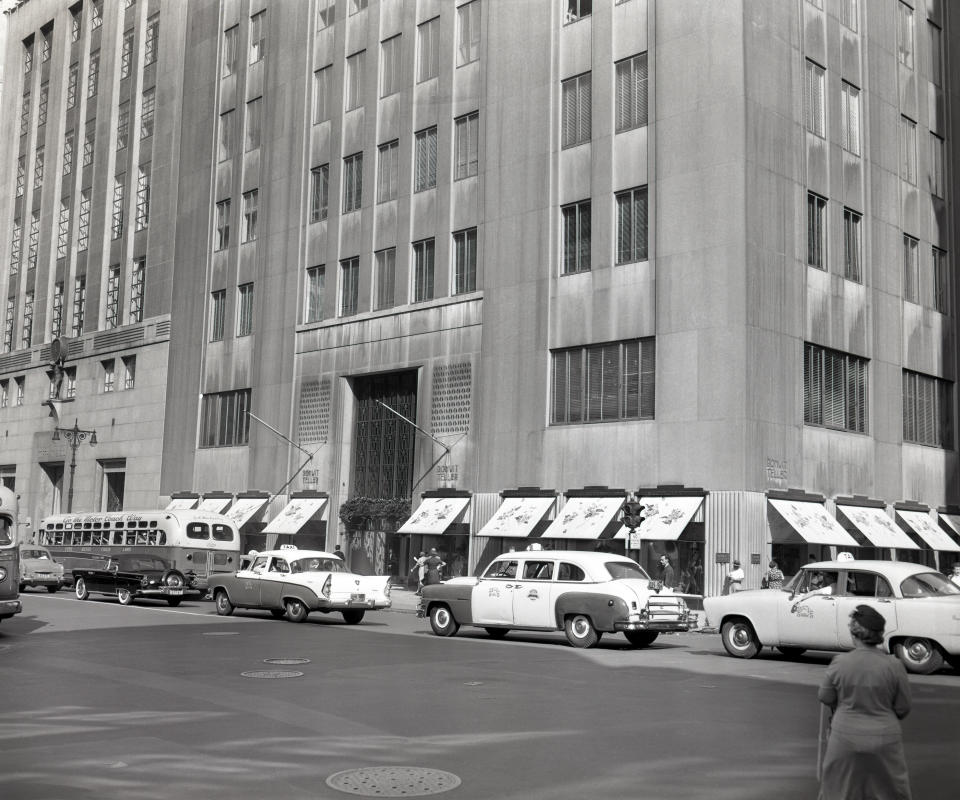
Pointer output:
x,y
435,515
664,518
812,522
585,518
922,524
295,514
878,527
517,517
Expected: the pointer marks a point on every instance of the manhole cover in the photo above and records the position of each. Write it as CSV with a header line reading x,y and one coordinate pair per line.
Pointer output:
x,y
286,661
220,633
393,781
272,673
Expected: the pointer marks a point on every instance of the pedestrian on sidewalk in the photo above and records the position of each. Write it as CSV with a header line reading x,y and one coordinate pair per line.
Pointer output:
x,y
773,578
433,565
420,566
734,580
666,572
868,693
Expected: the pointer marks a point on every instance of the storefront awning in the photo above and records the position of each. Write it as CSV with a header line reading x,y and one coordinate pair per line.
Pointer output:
x,y
517,517
181,503
812,523
953,522
664,518
434,515
214,504
878,527
295,514
584,518
244,509
921,523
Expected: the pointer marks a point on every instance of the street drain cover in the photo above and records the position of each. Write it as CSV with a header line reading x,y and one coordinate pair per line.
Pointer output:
x,y
272,673
286,661
393,781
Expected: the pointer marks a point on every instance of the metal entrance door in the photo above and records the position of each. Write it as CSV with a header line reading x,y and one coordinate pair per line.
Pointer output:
x,y
383,457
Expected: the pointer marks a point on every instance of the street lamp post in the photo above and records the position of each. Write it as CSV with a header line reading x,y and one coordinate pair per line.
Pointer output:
x,y
75,437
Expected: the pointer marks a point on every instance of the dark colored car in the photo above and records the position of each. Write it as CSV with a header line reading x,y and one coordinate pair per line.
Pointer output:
x,y
133,575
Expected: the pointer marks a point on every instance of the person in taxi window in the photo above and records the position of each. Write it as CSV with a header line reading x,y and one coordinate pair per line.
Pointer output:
x,y
955,575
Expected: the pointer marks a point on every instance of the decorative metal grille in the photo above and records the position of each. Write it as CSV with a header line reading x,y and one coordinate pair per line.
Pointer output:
x,y
452,391
383,458
314,423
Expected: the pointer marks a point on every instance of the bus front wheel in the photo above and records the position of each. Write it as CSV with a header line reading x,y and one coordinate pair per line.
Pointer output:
x,y
80,589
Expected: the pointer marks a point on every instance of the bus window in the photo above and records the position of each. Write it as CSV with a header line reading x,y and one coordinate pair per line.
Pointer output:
x,y
87,537
163,538
198,530
5,537
222,533
141,537
130,538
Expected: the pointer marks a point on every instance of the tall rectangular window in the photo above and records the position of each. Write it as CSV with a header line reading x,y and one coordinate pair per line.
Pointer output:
x,y
850,118
349,286
466,145
89,137
33,245
911,269
83,221
428,49
423,270
21,175
93,74
391,66
231,40
244,309
834,389
850,13
26,338
313,294
908,150
109,374
254,121
388,171
46,42
138,280
79,303
25,114
146,112
852,258
326,13
16,245
116,220
123,124
129,371
9,321
816,231
425,160
905,35
937,172
632,225
143,197
42,103
68,152
941,281
575,219
385,279
632,92
354,82
218,310
251,201
577,10
258,34
935,53
356,6
319,192
468,32
227,139
465,261
224,421
28,55
56,316
927,410
576,108
151,39
352,182
38,162
603,382
321,95
813,99
73,78
222,233
96,14
126,54
112,319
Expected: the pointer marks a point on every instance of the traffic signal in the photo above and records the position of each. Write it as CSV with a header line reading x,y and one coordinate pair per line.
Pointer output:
x,y
632,514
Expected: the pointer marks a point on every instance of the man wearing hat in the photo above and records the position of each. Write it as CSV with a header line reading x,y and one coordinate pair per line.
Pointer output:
x,y
734,580
868,693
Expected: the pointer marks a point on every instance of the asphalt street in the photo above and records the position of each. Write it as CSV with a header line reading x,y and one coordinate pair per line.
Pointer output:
x,y
143,702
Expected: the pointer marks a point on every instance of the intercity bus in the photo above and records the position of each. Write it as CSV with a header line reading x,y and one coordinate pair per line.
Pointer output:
x,y
9,555
198,543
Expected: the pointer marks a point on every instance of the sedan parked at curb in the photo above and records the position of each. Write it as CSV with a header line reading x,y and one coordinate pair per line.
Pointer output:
x,y
131,576
38,568
921,608
291,583
584,594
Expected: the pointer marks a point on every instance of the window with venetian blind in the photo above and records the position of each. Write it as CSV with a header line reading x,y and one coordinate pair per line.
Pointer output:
x,y
834,389
575,110
927,410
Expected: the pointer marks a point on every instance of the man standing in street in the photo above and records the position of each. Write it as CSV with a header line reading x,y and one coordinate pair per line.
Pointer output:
x,y
666,572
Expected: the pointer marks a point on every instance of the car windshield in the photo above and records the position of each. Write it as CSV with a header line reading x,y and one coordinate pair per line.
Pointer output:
x,y
316,564
5,531
142,563
35,554
625,569
928,584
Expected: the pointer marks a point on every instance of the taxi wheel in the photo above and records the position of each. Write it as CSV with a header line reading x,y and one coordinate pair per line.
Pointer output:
x,y
641,638
442,621
80,589
222,602
739,639
919,655
580,631
352,616
296,611
124,596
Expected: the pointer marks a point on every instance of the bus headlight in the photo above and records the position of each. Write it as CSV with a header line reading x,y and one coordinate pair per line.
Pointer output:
x,y
3,574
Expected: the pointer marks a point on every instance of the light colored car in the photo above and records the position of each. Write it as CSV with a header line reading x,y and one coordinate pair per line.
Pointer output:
x,y
584,594
291,583
812,612
38,568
